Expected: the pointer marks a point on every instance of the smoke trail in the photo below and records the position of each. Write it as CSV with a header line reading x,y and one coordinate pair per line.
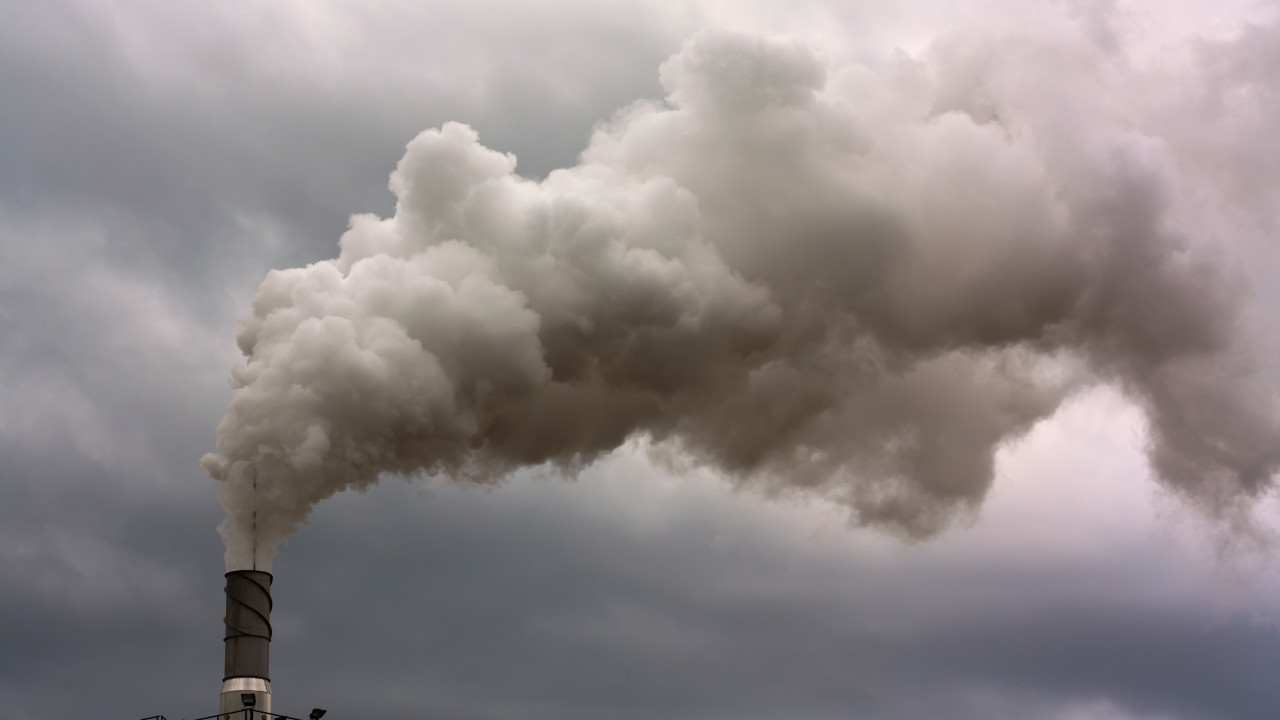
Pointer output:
x,y
859,281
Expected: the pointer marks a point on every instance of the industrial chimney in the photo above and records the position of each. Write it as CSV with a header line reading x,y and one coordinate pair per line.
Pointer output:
x,y
247,641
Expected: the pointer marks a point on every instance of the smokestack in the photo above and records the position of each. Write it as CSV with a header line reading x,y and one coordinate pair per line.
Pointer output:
x,y
247,641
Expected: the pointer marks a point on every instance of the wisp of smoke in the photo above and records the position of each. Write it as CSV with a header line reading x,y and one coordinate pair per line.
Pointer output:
x,y
858,281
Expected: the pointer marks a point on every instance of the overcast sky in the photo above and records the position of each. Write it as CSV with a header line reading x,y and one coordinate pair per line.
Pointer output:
x,y
159,157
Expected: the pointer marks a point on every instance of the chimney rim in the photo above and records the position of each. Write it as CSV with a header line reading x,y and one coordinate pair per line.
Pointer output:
x,y
229,573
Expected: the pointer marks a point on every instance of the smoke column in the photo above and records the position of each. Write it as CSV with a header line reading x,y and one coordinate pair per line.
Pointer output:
x,y
856,280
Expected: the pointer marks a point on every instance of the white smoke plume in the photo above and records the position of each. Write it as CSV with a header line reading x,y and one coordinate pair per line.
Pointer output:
x,y
858,280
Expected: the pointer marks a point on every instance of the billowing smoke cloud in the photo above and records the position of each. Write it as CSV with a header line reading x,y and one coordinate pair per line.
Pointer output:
x,y
856,280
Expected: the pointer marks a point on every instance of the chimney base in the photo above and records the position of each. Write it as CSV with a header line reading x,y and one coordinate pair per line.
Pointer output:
x,y
231,702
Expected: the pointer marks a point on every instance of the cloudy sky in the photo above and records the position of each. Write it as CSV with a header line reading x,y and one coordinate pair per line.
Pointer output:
x,y
1068,559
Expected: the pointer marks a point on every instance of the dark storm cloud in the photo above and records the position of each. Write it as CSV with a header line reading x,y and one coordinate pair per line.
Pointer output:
x,y
106,607
509,608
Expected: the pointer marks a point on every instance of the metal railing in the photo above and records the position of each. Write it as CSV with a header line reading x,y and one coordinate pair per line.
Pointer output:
x,y
245,714
248,714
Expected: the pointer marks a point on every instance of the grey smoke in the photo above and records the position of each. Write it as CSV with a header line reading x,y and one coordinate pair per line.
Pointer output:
x,y
857,280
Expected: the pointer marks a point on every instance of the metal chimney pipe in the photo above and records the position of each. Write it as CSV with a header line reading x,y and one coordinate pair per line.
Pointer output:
x,y
248,641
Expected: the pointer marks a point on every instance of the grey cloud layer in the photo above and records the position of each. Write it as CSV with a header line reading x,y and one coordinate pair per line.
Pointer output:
x,y
521,609
859,280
